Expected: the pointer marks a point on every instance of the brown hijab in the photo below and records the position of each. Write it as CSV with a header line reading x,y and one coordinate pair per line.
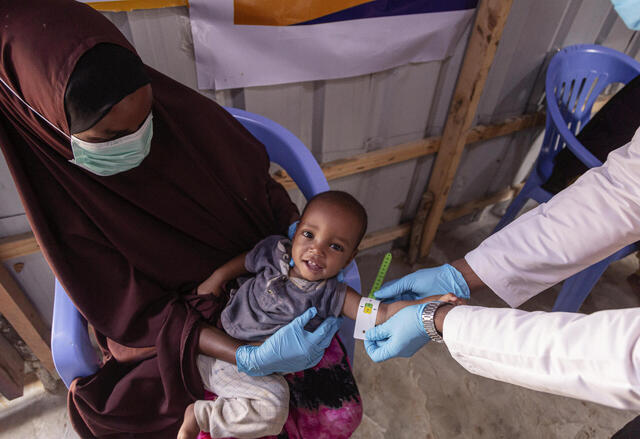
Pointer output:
x,y
130,248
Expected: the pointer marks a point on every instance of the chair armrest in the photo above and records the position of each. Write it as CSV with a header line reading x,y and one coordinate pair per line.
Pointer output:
x,y
73,354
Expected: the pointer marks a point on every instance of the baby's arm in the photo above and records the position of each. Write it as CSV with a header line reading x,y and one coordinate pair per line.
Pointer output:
x,y
386,310
228,271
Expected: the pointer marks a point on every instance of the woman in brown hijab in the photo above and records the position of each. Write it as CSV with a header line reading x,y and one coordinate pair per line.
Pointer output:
x,y
136,193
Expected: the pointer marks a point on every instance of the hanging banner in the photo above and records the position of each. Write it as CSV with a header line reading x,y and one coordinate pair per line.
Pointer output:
x,y
242,43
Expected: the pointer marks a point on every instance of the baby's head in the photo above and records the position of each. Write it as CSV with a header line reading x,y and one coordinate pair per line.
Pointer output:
x,y
327,238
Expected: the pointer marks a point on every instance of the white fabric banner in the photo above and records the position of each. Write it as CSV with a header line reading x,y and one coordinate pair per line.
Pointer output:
x,y
230,55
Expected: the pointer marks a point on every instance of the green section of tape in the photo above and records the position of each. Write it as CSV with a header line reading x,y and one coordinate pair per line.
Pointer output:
x,y
382,272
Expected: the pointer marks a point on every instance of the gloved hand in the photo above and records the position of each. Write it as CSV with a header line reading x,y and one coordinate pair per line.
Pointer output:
x,y
290,349
424,283
400,336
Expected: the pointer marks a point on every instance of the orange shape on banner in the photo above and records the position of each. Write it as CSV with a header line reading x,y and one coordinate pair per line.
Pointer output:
x,y
286,12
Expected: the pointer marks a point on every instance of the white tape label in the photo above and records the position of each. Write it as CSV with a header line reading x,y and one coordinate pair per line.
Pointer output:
x,y
366,317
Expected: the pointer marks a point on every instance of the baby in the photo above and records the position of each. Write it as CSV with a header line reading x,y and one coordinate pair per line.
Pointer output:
x,y
287,278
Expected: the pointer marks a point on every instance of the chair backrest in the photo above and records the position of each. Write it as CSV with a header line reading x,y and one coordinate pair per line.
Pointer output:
x,y
72,352
286,150
576,76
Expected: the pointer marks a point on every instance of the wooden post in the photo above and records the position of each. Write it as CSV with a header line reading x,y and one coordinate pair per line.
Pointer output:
x,y
24,318
11,371
487,30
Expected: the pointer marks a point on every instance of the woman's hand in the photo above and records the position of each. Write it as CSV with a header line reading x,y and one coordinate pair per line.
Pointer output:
x,y
290,349
424,283
213,284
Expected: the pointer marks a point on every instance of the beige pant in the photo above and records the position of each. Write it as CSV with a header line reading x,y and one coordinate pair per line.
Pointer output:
x,y
247,407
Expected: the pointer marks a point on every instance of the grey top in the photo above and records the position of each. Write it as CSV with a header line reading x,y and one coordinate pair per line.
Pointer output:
x,y
271,299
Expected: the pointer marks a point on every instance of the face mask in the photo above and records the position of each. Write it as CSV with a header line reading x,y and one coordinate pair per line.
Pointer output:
x,y
629,11
114,156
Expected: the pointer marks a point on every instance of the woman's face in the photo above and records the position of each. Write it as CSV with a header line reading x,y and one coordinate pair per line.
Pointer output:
x,y
124,118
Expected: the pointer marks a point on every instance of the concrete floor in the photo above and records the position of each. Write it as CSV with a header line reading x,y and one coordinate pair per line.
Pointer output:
x,y
428,395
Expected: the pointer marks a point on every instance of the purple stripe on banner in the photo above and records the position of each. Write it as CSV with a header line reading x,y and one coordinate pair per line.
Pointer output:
x,y
388,8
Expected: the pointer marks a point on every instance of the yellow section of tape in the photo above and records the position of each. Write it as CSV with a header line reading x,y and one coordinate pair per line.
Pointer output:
x,y
130,5
286,12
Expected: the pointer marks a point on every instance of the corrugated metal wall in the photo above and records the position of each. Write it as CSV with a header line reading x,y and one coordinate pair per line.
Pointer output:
x,y
340,118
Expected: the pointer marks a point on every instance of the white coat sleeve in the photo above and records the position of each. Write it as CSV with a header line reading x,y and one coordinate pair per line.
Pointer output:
x,y
592,357
591,219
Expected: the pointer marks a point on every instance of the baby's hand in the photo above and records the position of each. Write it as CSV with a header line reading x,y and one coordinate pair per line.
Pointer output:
x,y
451,298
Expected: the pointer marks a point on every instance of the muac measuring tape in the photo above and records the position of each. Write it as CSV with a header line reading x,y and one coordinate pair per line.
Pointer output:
x,y
368,307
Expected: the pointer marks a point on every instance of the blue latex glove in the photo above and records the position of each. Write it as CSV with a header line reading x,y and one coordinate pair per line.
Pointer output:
x,y
400,336
290,349
424,283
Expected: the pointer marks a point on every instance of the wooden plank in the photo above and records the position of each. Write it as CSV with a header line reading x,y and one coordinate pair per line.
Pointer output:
x,y
11,371
370,240
385,235
411,150
416,229
509,126
487,29
17,246
467,208
22,315
389,234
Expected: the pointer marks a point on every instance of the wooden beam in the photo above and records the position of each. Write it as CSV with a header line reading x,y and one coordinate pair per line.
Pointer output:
x,y
17,246
412,150
25,319
385,235
487,29
465,209
508,126
391,233
11,371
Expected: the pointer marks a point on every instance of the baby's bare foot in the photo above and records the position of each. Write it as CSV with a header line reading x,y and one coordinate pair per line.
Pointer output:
x,y
189,428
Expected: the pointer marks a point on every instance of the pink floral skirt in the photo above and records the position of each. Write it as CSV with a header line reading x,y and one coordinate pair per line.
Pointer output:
x,y
325,402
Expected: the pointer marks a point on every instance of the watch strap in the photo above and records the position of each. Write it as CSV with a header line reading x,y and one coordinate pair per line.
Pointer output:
x,y
428,315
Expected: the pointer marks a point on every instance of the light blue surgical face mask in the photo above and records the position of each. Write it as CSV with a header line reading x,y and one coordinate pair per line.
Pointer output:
x,y
114,156
629,11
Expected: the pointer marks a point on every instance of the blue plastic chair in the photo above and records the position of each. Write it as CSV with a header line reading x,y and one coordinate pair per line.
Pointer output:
x,y
73,354
575,78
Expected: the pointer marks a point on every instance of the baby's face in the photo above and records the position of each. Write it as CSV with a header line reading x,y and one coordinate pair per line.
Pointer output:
x,y
325,241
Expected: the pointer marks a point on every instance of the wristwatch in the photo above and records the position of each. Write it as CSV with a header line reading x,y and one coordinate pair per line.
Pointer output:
x,y
428,314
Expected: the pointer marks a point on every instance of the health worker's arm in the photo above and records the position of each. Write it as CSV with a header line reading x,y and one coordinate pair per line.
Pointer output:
x,y
591,219
592,357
